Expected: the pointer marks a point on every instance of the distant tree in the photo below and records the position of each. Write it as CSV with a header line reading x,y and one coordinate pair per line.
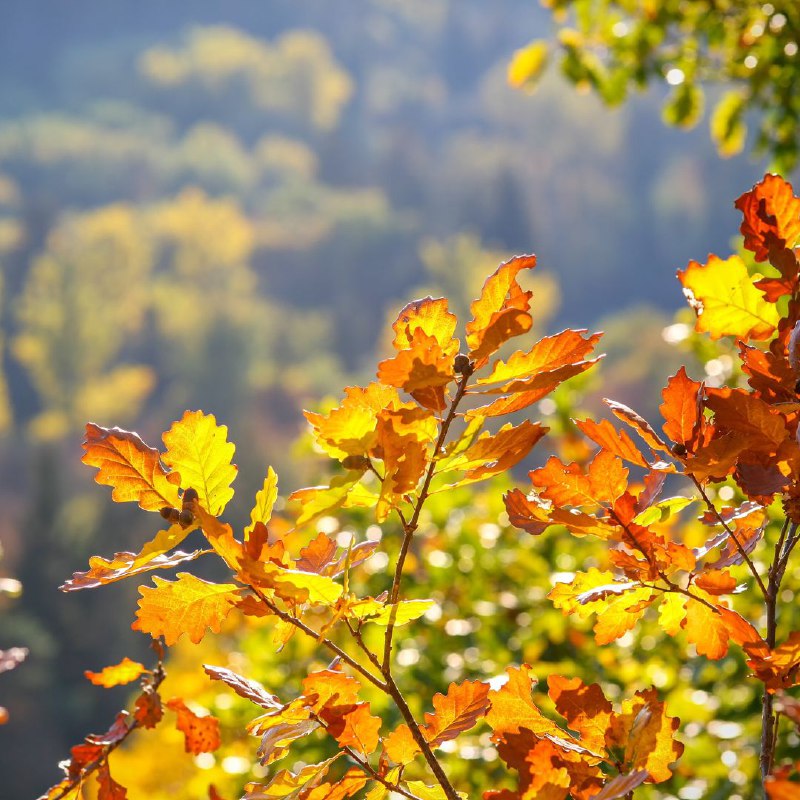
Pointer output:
x,y
746,46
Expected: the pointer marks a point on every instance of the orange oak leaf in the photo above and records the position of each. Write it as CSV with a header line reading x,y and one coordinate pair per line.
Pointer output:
x,y
682,408
429,315
535,517
133,469
778,668
544,362
638,423
569,485
501,312
716,582
278,728
118,674
491,454
353,780
585,709
198,449
401,746
456,712
616,442
201,734
188,605
771,215
330,686
706,629
353,726
619,615
349,429
512,707
622,785
739,411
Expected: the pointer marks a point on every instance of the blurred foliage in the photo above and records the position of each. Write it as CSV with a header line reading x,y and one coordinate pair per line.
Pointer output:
x,y
222,214
749,49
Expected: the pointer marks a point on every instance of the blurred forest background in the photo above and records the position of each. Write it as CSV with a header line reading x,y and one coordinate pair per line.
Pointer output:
x,y
220,206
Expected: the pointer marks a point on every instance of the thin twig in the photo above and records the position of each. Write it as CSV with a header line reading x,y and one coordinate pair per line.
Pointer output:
x,y
154,679
739,546
410,526
325,642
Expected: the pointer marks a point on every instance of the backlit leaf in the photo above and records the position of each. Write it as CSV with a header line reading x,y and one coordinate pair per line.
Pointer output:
x,y
726,301
198,449
501,312
355,728
584,707
189,605
456,712
400,745
201,734
118,674
265,501
682,407
771,216
288,785
132,468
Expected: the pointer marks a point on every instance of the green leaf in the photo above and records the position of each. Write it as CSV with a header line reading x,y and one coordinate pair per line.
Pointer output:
x,y
728,129
684,106
404,612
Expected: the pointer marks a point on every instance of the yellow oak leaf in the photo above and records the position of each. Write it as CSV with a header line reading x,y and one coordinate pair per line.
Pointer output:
x,y
198,449
265,502
726,301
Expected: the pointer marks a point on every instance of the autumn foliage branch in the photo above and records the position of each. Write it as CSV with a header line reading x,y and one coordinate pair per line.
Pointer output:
x,y
429,425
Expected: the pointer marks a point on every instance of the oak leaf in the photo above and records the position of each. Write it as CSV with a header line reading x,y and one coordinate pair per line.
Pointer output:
x,y
456,712
353,726
265,501
188,605
706,629
501,311
616,442
512,707
726,301
682,408
585,708
400,745
646,734
133,469
198,449
201,734
108,788
771,216
123,565
118,674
